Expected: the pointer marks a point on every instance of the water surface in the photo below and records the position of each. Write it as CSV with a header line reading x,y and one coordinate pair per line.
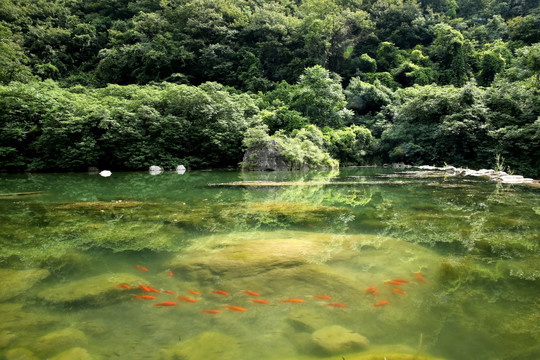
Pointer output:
x,y
69,240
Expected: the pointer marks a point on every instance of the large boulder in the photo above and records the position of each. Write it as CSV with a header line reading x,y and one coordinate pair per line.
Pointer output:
x,y
265,157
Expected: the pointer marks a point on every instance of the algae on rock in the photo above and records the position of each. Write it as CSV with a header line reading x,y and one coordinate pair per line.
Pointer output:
x,y
96,291
16,282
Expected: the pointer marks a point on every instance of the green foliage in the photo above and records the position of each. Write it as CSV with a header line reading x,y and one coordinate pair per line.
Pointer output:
x,y
364,98
350,145
46,127
320,98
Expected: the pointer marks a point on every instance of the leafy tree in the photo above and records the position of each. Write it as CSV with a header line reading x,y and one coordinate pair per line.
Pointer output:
x,y
320,98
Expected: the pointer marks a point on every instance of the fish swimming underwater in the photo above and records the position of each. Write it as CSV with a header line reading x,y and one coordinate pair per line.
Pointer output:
x,y
251,293
372,289
220,292
193,292
324,297
145,297
260,301
140,268
337,305
235,308
166,303
124,286
169,292
381,303
292,300
211,311
419,277
187,299
399,291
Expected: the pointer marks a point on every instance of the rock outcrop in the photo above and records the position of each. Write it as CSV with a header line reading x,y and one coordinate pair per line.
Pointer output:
x,y
265,157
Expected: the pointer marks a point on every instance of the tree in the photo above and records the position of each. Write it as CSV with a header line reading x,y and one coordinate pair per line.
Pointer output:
x,y
320,98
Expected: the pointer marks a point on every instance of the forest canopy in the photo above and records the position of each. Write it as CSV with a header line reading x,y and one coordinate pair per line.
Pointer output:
x,y
128,84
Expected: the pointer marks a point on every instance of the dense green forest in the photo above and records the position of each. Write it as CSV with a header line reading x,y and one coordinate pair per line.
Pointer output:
x,y
127,84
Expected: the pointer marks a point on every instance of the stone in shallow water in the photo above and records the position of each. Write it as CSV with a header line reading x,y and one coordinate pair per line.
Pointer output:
x,y
306,320
336,339
15,319
96,290
75,353
20,354
208,345
16,282
60,340
238,254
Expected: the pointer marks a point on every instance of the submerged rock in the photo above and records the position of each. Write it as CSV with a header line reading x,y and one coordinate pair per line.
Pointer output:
x,y
14,318
306,320
208,345
60,340
97,290
16,282
236,255
75,353
336,339
20,354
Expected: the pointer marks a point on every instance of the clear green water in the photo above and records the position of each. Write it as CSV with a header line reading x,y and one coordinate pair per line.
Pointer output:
x,y
475,242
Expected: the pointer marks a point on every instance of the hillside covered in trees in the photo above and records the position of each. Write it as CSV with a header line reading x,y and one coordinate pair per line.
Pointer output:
x,y
127,84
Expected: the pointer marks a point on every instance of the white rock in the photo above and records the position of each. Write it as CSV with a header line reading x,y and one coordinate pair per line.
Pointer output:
x,y
105,173
155,170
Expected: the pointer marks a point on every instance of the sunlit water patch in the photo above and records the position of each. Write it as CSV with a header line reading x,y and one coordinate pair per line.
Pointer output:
x,y
355,264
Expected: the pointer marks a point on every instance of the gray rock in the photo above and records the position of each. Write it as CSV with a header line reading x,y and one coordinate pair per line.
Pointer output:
x,y
265,157
336,339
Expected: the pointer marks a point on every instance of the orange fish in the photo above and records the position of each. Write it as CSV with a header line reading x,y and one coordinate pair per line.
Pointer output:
x,y
402,281
419,277
124,286
166,303
337,305
145,297
194,292
324,297
399,291
373,290
220,292
260,301
235,308
211,311
251,293
381,303
169,292
140,268
145,288
294,301
151,289
185,298
170,273
396,283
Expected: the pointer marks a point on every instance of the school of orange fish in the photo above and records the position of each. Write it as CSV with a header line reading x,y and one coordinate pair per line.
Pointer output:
x,y
395,283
